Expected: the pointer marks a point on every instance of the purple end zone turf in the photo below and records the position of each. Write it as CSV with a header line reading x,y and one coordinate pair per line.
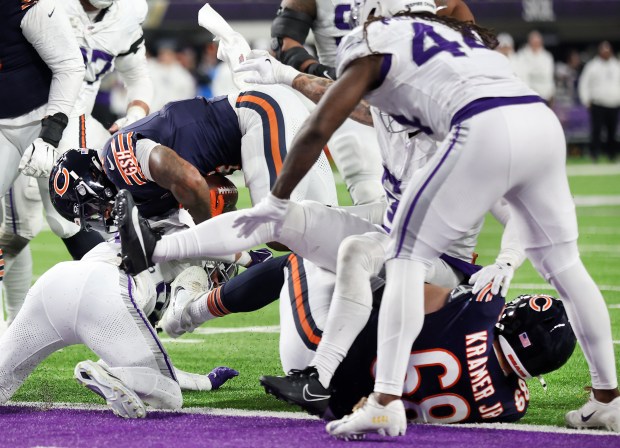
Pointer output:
x,y
27,427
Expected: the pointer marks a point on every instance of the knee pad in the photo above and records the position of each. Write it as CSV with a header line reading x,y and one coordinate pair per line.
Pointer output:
x,y
359,250
11,243
552,260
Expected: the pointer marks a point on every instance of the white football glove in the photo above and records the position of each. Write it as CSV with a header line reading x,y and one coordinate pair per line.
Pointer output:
x,y
134,113
38,159
499,274
270,209
265,69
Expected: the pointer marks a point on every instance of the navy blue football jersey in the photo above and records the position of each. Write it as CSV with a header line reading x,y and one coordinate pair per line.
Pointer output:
x,y
453,375
205,132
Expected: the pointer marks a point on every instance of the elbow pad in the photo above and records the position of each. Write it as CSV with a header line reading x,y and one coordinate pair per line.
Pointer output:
x,y
292,24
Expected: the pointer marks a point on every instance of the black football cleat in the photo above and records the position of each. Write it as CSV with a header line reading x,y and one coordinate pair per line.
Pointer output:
x,y
300,387
138,240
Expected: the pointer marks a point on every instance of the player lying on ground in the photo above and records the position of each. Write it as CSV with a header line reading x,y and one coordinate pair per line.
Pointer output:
x,y
475,366
101,307
377,63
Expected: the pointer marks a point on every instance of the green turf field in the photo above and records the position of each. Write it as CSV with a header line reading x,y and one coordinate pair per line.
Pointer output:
x,y
254,354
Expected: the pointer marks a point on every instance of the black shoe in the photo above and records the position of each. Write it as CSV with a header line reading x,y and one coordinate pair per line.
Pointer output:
x,y
138,240
301,387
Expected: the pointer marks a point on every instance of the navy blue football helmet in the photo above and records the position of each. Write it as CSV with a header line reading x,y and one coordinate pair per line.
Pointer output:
x,y
81,192
535,335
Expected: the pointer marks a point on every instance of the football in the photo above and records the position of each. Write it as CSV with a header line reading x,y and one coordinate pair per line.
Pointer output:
x,y
224,194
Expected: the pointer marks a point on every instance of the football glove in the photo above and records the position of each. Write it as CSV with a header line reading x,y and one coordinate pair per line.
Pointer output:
x,y
134,113
498,274
38,159
265,69
270,209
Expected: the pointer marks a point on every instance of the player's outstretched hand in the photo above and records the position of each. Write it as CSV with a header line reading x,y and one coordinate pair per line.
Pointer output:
x,y
265,69
498,274
270,209
220,375
38,159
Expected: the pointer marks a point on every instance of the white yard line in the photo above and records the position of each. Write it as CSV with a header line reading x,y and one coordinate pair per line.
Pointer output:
x,y
547,287
222,330
593,170
182,341
596,200
304,416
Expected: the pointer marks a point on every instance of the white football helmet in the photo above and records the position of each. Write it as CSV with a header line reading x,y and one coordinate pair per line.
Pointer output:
x,y
362,9
101,4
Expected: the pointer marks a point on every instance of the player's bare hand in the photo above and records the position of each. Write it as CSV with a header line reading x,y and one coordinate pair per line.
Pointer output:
x,y
270,209
498,275
265,69
38,159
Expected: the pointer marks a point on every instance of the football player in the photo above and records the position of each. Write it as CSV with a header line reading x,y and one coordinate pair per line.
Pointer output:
x,y
40,77
110,37
354,147
430,216
95,303
312,230
473,355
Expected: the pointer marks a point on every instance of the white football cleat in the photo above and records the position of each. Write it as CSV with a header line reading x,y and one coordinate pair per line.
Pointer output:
x,y
123,401
372,417
189,285
595,414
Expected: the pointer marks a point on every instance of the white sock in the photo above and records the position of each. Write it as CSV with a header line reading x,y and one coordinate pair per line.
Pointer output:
x,y
589,318
400,321
17,280
359,258
192,381
215,237
207,307
345,321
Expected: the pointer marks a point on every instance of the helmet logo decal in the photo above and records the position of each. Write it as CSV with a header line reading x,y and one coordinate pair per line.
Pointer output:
x,y
65,185
537,306
525,341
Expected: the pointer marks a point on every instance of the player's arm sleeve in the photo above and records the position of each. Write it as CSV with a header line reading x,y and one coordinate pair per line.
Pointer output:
x,y
144,147
511,251
289,31
46,26
132,66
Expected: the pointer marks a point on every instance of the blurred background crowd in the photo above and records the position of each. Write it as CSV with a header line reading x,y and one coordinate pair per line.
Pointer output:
x,y
566,50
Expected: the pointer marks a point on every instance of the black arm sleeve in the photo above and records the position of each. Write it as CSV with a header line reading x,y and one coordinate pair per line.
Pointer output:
x,y
291,23
255,288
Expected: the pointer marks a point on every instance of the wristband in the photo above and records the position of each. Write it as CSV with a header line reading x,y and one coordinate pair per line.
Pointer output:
x,y
52,128
322,71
